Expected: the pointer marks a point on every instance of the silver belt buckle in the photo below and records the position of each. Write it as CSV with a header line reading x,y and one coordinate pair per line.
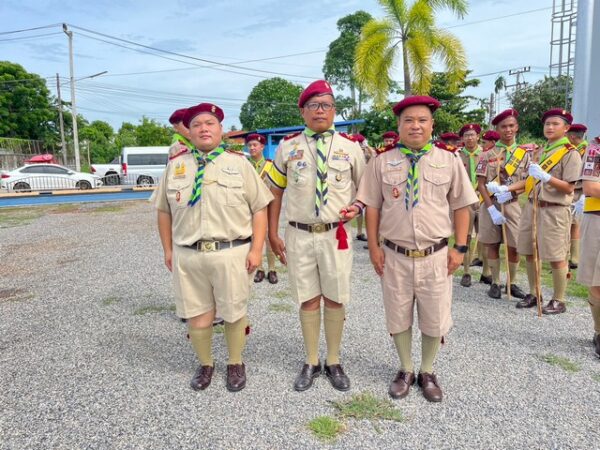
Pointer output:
x,y
319,228
208,246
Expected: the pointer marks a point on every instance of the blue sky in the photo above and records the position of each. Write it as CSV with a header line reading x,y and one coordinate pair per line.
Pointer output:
x,y
232,32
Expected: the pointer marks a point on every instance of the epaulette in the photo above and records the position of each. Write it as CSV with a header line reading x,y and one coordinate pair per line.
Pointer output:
x,y
235,152
570,147
345,135
451,148
179,153
528,147
292,135
385,149
440,144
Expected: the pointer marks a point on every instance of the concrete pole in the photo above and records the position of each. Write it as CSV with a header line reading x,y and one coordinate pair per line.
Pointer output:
x,y
586,92
63,144
73,103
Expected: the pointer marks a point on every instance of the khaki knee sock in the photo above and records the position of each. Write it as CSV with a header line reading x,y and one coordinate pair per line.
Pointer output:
x,y
513,268
574,251
359,225
429,350
495,269
310,321
201,339
559,283
485,270
531,277
333,319
270,259
235,337
595,308
403,343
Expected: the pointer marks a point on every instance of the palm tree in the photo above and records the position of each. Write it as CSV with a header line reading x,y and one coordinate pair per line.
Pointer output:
x,y
499,84
409,30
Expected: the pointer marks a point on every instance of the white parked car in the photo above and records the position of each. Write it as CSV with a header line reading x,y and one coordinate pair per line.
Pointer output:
x,y
43,177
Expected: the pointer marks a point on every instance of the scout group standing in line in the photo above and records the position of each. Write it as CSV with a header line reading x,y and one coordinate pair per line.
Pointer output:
x,y
215,206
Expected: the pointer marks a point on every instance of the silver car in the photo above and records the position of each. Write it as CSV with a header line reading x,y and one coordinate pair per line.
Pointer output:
x,y
43,177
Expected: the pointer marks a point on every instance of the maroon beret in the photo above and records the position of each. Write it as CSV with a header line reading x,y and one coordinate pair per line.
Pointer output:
x,y
177,116
357,137
449,137
390,135
416,100
209,108
491,135
504,114
578,128
468,127
256,137
558,112
319,87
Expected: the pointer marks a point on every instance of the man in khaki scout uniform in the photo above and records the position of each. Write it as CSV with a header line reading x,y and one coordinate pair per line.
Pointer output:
x,y
589,263
256,145
181,137
212,221
501,178
489,139
576,136
410,192
469,155
553,175
319,169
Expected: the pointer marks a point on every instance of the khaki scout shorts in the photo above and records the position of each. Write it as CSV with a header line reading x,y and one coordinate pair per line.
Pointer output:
x,y
316,266
423,281
553,232
588,272
205,281
492,234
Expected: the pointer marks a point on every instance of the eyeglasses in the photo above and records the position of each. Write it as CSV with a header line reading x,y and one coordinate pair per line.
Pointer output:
x,y
314,106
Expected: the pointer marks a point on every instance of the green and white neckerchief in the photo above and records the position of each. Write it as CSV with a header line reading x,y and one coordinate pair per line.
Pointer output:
x,y
472,164
257,164
549,149
202,160
321,190
412,185
179,138
582,147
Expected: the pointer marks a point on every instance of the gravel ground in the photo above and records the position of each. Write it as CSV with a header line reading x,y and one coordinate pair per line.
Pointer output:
x,y
83,366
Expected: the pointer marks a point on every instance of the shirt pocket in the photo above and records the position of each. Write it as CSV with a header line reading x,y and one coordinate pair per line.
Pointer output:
x,y
299,173
230,189
394,185
436,185
179,193
339,174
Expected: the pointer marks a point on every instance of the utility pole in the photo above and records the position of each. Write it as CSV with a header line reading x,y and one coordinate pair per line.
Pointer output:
x,y
73,103
518,72
491,110
63,144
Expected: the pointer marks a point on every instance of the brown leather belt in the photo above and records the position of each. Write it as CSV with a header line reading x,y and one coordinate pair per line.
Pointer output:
x,y
543,204
315,227
213,246
416,253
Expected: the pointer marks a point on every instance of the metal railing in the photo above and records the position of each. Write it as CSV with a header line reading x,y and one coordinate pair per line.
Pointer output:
x,y
45,183
131,179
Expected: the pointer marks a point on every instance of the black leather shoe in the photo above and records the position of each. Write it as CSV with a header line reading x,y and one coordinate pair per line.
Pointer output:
x,y
339,380
573,265
515,291
272,277
307,375
476,263
466,280
202,378
554,307
485,279
528,302
366,247
218,321
236,377
494,291
596,342
259,276
361,237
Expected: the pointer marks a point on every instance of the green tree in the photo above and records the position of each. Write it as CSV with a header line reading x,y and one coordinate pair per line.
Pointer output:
x,y
25,105
272,103
533,101
99,135
126,137
409,31
377,122
149,132
339,63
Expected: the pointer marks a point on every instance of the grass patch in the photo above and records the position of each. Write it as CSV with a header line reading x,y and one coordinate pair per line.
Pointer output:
x,y
560,361
280,295
63,208
596,377
106,208
219,329
16,217
366,406
15,295
110,301
280,307
326,428
153,309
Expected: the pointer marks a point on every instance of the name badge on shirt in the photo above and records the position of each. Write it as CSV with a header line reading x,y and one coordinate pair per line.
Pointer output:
x,y
437,166
179,170
394,162
340,155
230,171
296,154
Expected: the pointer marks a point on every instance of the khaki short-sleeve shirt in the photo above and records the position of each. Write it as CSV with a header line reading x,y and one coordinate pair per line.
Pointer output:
x,y
231,193
569,170
295,170
443,187
494,160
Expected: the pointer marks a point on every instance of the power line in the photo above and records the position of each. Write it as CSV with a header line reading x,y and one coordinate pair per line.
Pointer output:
x,y
30,37
30,29
497,18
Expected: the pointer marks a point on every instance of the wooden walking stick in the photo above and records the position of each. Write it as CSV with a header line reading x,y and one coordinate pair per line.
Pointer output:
x,y
536,259
506,262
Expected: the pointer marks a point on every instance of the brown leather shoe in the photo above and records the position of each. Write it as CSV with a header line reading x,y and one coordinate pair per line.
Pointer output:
x,y
430,386
202,378
361,237
554,307
307,375
528,302
400,385
338,379
272,277
465,281
236,377
259,276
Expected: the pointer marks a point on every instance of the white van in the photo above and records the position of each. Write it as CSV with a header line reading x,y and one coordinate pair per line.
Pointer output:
x,y
143,166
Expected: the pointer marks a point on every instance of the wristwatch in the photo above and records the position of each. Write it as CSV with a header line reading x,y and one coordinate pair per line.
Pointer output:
x,y
461,248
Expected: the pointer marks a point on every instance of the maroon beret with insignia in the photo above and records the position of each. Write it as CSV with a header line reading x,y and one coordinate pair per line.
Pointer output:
x,y
504,114
491,135
209,108
415,100
390,135
578,128
177,116
469,127
449,137
357,137
256,137
558,112
319,87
